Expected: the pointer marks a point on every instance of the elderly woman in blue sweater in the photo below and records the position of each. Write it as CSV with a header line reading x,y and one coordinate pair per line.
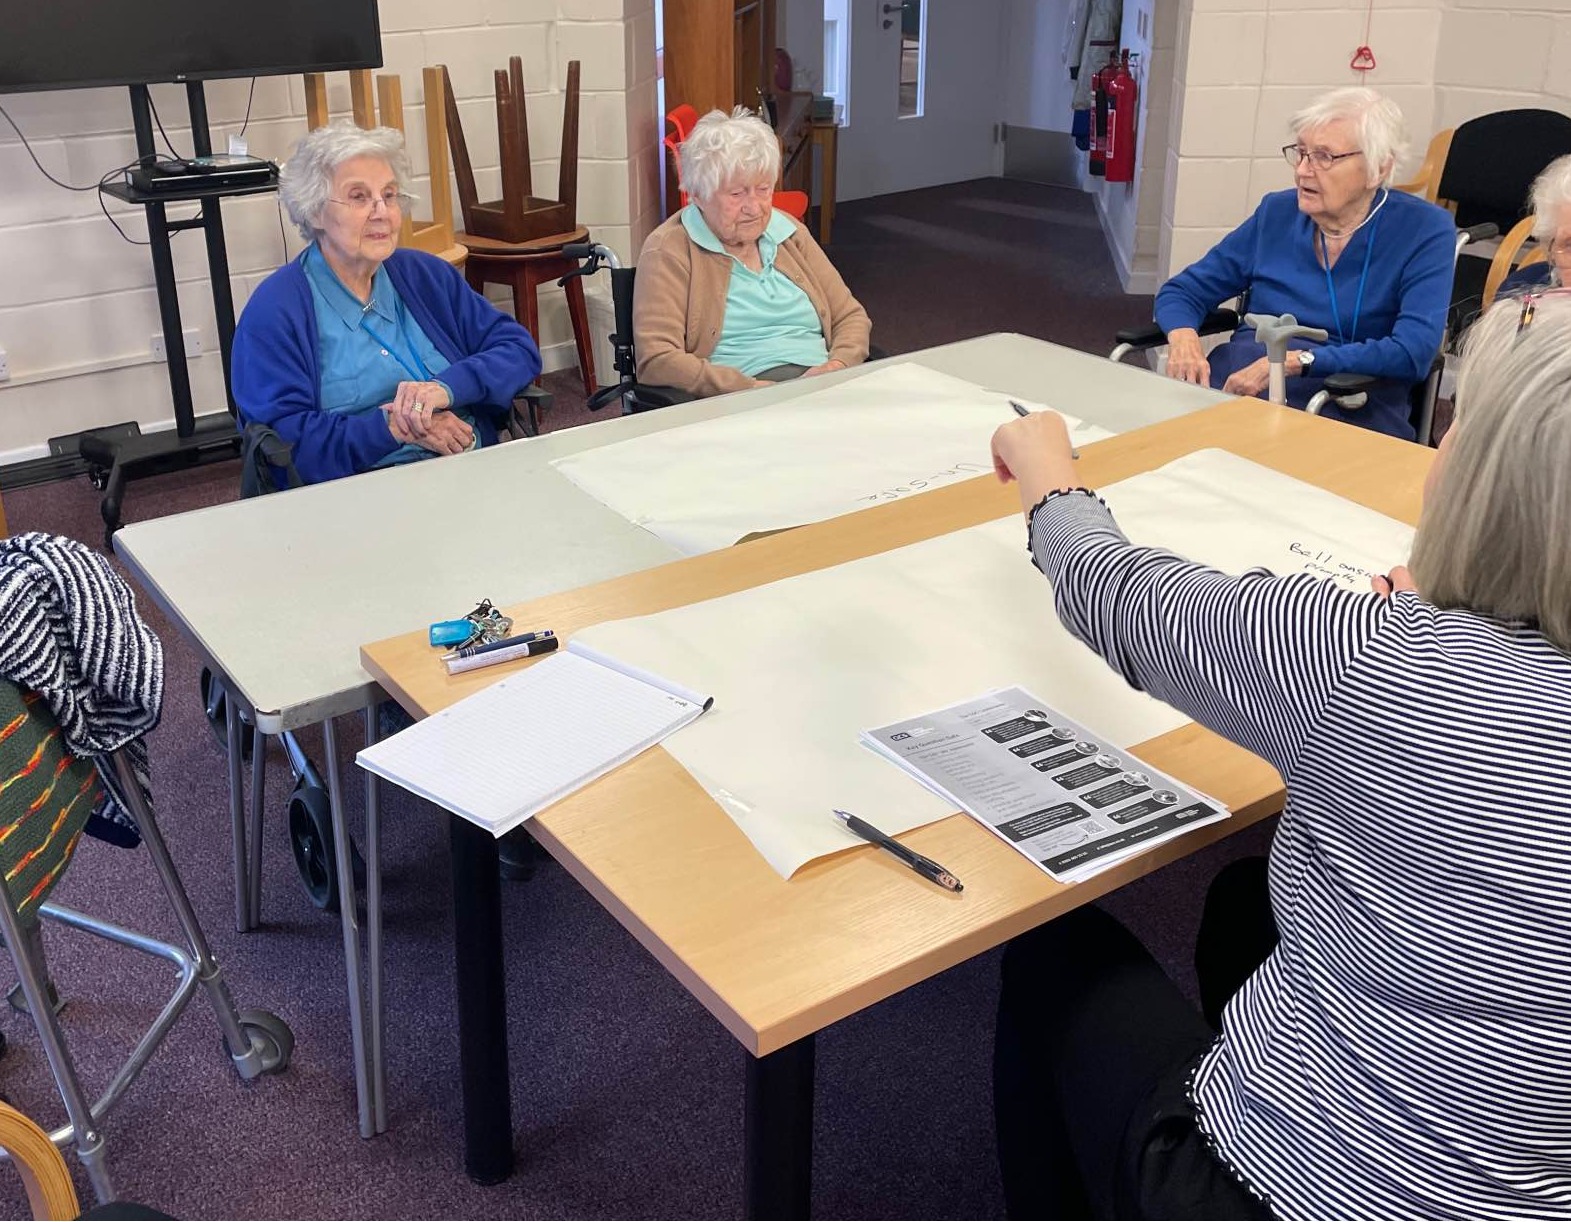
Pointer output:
x,y
361,355
1341,251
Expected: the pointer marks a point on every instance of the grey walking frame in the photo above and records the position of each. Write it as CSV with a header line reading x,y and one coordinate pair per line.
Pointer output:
x,y
258,1042
1347,390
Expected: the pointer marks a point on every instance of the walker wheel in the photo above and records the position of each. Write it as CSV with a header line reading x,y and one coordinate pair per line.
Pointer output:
x,y
271,1039
214,704
311,838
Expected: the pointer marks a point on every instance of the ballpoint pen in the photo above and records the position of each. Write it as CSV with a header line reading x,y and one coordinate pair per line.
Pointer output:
x,y
1022,410
925,866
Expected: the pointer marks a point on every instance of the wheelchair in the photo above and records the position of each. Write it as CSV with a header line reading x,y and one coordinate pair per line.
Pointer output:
x,y
1349,391
633,395
267,466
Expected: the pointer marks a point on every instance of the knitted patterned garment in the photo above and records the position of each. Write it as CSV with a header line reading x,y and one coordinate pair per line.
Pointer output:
x,y
46,797
72,634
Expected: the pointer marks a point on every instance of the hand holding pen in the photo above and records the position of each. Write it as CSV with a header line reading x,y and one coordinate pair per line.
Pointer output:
x,y
1035,452
925,866
1022,410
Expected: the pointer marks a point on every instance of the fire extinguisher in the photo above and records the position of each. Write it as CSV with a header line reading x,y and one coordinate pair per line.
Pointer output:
x,y
1123,104
1099,114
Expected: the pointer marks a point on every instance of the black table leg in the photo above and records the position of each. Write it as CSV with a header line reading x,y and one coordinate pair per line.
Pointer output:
x,y
482,1004
777,1175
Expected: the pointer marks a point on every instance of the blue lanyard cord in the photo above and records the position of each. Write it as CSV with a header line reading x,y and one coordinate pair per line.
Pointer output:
x,y
422,373
1363,278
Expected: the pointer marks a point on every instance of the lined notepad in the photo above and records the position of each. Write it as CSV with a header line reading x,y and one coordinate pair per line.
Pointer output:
x,y
511,750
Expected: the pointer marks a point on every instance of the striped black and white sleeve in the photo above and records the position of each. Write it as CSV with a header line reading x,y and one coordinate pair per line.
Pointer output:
x,y
1254,658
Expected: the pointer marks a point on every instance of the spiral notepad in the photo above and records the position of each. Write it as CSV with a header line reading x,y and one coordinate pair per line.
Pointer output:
x,y
511,750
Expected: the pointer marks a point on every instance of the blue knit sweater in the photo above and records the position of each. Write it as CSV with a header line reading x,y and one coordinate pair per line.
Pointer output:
x,y
1411,249
276,380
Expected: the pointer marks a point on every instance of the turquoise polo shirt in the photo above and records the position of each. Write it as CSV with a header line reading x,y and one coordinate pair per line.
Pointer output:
x,y
364,351
769,320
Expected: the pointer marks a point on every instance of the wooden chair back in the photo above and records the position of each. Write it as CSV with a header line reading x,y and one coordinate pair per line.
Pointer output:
x,y
520,215
435,236
1505,259
50,1193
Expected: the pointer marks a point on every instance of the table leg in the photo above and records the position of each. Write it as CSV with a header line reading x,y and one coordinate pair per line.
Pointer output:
x,y
237,812
351,926
482,1004
258,807
373,923
777,1172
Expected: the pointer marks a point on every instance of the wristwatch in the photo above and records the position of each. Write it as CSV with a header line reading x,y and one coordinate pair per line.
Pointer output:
x,y
1305,360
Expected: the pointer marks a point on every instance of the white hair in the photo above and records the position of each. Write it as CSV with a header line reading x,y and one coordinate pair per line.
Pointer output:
x,y
1551,193
306,180
1377,120
723,148
1495,535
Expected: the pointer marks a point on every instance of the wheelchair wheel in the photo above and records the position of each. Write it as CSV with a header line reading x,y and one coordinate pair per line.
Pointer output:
x,y
311,838
215,706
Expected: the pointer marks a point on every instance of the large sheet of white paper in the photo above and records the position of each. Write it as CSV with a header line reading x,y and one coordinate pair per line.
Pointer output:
x,y
890,433
800,667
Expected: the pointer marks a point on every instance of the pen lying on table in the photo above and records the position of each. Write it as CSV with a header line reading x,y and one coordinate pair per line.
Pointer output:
x,y
1022,410
925,866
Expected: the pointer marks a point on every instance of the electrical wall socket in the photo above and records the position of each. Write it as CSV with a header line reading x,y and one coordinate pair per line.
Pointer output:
x,y
193,344
5,366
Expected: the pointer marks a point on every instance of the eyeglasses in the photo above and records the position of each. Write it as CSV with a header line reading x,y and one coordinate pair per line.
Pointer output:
x,y
1559,252
1297,154
364,201
1530,307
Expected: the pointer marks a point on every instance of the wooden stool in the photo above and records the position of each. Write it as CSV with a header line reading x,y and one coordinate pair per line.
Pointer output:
x,y
525,267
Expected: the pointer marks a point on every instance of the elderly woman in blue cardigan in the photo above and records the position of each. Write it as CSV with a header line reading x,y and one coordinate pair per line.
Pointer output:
x,y
361,355
1341,251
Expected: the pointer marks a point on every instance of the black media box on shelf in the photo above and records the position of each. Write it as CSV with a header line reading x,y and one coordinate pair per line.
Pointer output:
x,y
201,173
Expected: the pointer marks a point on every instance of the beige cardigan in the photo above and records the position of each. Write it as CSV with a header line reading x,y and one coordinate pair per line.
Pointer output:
x,y
679,299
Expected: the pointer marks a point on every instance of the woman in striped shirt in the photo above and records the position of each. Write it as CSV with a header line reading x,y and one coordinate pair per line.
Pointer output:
x,y
1401,1045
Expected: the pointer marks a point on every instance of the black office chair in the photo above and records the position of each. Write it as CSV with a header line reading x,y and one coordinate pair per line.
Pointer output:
x,y
267,466
1349,391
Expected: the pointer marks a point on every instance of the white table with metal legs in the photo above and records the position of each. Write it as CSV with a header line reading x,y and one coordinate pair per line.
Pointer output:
x,y
278,593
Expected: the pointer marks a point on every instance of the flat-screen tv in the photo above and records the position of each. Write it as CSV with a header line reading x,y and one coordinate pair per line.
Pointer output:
x,y
76,44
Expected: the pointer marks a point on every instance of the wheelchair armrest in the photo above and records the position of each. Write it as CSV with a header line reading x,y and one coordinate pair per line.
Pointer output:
x,y
263,456
524,418
1137,339
1478,233
1349,383
641,398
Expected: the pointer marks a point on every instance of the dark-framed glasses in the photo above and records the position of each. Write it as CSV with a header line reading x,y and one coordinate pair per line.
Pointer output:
x,y
1530,307
1297,154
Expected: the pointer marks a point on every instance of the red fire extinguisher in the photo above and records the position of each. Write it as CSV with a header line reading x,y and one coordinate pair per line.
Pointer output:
x,y
1099,82
1123,104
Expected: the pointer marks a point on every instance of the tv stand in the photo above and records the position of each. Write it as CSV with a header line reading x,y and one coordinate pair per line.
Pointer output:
x,y
118,454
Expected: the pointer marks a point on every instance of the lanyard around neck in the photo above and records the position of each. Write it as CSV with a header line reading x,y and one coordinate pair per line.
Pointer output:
x,y
1363,278
419,372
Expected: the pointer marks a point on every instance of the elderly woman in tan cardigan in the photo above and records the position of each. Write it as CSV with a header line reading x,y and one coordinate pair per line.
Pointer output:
x,y
730,292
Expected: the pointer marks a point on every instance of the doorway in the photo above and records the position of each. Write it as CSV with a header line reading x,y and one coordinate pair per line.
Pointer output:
x,y
924,93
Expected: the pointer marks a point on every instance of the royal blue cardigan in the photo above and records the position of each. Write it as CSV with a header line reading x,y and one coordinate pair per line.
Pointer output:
x,y
1411,249
276,381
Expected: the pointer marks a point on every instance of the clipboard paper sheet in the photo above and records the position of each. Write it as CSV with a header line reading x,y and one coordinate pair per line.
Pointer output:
x,y
891,433
801,667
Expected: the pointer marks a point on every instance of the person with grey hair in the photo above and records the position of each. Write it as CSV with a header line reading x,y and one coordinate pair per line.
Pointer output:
x,y
1341,251
361,355
1551,196
731,292
1396,1045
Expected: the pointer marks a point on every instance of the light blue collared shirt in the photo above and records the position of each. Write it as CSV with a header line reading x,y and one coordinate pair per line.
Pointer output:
x,y
769,320
365,350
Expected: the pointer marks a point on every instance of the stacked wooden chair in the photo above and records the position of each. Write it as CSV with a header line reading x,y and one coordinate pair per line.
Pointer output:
x,y
435,236
518,240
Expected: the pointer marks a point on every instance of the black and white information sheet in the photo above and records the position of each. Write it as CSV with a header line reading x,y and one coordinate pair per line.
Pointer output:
x,y
1069,801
